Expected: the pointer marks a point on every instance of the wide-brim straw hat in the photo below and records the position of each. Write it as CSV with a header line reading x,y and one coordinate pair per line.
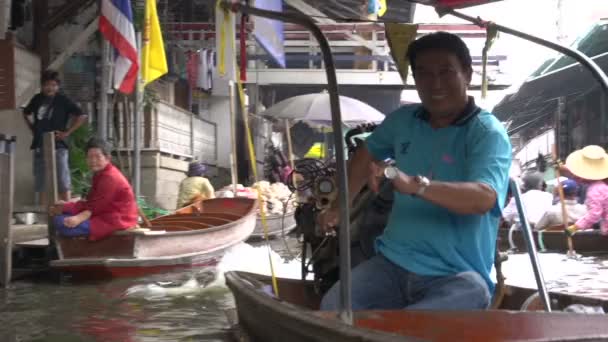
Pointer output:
x,y
590,162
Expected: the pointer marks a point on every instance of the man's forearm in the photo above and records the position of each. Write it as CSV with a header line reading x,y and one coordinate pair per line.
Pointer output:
x,y
77,122
28,122
465,198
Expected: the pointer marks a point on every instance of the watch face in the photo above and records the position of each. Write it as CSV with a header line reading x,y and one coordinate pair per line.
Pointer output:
x,y
390,172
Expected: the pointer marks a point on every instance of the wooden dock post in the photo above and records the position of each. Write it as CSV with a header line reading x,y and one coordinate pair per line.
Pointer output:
x,y
7,162
50,181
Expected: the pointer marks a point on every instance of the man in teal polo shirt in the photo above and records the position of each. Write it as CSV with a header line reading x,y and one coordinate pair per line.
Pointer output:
x,y
451,178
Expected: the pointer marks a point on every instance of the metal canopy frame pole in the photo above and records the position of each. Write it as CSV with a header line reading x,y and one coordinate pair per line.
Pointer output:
x,y
587,62
525,226
336,122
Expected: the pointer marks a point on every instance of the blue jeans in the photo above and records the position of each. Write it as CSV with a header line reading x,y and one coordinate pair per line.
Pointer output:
x,y
82,229
64,179
379,284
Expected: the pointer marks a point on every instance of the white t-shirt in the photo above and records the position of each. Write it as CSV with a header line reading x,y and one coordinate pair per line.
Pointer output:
x,y
536,203
553,217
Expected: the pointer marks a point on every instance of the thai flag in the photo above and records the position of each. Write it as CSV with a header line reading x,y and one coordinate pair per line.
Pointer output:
x,y
116,25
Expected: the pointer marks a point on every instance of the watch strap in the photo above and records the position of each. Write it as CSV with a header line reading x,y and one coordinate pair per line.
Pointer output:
x,y
423,182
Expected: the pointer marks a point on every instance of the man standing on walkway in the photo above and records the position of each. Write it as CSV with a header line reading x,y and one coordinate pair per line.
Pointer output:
x,y
50,111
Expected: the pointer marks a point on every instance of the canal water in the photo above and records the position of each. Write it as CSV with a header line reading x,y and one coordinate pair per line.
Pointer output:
x,y
137,309
584,275
150,309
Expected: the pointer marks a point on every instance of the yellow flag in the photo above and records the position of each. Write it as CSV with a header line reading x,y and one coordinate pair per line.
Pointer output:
x,y
382,8
153,59
399,37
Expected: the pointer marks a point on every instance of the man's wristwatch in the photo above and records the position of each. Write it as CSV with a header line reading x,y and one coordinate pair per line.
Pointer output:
x,y
423,183
391,172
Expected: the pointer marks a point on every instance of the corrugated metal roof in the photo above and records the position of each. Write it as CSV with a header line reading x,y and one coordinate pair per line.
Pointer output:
x,y
560,77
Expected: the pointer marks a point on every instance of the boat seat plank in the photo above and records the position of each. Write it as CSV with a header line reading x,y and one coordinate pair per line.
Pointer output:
x,y
198,218
173,228
214,215
39,243
190,221
131,231
188,224
191,224
139,231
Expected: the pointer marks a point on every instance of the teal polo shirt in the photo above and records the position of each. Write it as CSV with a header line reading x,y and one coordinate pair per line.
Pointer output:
x,y
425,238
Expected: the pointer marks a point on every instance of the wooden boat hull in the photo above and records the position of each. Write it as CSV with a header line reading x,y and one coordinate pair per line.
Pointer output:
x,y
266,318
195,235
585,242
518,298
277,226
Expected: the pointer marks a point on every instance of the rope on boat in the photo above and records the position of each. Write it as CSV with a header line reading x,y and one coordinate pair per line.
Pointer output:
x,y
221,69
253,159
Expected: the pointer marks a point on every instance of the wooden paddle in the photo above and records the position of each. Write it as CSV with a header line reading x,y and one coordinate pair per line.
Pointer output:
x,y
147,223
560,191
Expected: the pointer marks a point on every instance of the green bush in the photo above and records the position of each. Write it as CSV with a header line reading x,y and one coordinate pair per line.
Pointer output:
x,y
81,176
149,211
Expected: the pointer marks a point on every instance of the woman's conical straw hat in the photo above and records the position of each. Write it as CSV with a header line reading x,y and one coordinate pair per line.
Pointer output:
x,y
590,162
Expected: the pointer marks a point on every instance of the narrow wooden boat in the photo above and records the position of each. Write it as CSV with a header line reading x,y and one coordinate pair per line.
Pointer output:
x,y
585,242
295,317
278,225
194,235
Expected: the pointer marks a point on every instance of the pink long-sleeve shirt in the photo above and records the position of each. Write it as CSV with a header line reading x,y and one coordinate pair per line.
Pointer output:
x,y
597,207
111,202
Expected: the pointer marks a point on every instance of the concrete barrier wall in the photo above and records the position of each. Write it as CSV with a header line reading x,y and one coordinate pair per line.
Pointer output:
x,y
12,123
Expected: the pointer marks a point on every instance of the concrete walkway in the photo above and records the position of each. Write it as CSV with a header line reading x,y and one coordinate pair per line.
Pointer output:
x,y
22,233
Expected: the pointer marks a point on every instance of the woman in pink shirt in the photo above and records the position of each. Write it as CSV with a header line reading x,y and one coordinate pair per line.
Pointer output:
x,y
591,165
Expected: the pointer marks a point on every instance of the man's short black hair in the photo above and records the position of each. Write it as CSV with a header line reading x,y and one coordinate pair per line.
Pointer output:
x,y
50,75
440,41
100,144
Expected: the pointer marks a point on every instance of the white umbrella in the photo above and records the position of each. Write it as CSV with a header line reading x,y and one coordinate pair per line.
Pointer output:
x,y
315,108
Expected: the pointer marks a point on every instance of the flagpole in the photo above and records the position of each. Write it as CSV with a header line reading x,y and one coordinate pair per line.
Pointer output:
x,y
143,51
137,125
102,120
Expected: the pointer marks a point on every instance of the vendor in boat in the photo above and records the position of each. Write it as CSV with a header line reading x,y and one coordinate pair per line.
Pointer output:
x,y
451,179
276,165
195,187
554,216
590,165
535,199
109,206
